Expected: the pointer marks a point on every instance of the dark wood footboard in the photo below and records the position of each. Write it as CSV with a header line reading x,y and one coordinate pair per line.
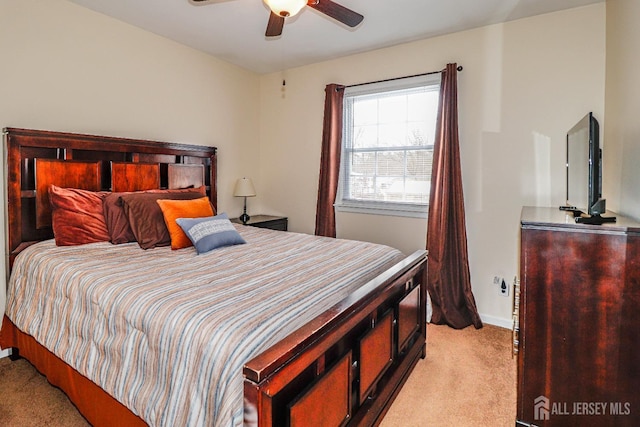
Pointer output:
x,y
346,366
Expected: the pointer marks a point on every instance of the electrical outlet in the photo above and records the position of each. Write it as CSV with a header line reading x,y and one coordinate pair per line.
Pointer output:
x,y
504,288
501,286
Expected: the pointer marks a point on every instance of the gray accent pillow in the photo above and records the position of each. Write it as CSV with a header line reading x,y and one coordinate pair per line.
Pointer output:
x,y
210,232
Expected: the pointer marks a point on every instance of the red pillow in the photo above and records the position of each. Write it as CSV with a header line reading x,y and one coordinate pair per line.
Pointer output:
x,y
77,216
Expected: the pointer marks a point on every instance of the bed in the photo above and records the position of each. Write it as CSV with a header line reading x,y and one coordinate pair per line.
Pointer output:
x,y
311,339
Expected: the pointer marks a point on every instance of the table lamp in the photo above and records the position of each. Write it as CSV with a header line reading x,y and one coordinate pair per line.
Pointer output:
x,y
244,188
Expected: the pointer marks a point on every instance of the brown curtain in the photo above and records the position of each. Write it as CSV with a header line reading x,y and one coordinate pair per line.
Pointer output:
x,y
330,160
449,282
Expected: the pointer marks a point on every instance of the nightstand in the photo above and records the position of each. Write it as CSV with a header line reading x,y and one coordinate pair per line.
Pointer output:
x,y
266,221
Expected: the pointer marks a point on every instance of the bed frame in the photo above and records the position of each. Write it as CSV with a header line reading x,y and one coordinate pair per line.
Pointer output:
x,y
343,368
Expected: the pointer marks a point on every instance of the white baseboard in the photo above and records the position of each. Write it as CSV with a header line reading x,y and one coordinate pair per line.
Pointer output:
x,y
497,321
4,353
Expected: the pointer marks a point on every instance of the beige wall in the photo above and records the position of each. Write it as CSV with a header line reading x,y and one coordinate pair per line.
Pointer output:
x,y
524,84
621,173
66,68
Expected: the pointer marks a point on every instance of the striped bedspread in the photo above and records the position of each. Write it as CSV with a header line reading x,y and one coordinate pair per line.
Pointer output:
x,y
167,332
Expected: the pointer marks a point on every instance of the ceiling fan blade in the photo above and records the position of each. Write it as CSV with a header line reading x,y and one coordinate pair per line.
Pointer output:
x,y
274,26
337,12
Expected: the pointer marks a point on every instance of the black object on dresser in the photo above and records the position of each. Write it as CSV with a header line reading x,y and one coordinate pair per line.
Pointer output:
x,y
266,221
579,320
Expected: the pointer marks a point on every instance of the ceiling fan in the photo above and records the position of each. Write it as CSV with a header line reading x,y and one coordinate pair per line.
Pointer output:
x,y
281,9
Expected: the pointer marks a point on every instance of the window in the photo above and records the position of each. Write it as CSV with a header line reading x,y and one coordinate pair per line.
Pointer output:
x,y
389,130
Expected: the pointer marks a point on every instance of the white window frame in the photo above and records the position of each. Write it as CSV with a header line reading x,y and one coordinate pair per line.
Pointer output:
x,y
378,207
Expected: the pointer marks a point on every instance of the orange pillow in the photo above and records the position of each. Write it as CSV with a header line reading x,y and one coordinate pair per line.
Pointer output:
x,y
173,209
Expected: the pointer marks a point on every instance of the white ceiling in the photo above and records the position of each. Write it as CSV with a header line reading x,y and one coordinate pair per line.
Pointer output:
x,y
233,30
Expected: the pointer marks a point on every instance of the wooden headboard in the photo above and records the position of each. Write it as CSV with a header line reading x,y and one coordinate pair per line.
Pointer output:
x,y
36,159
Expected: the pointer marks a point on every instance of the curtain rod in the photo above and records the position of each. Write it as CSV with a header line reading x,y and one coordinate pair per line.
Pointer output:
x,y
459,68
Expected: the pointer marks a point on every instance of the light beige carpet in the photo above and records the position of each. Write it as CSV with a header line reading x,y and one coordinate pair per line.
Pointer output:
x,y
467,379
28,400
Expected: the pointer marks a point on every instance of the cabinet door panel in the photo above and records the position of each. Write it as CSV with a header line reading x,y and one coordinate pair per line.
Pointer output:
x,y
327,402
408,318
376,354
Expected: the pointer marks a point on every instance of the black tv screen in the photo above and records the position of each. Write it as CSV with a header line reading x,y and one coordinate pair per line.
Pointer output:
x,y
584,171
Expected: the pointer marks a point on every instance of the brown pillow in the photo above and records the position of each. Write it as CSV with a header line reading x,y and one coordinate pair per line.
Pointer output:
x,y
118,222
146,219
77,216
174,209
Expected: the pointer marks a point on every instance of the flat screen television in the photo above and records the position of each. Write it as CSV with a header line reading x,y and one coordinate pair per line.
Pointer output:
x,y
584,171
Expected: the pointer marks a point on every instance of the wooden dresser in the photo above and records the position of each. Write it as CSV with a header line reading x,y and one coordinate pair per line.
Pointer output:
x,y
579,321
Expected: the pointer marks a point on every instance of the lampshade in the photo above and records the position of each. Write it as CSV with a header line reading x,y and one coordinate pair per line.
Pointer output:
x,y
285,8
244,188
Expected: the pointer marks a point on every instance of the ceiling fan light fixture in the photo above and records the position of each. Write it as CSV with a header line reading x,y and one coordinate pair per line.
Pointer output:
x,y
285,8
